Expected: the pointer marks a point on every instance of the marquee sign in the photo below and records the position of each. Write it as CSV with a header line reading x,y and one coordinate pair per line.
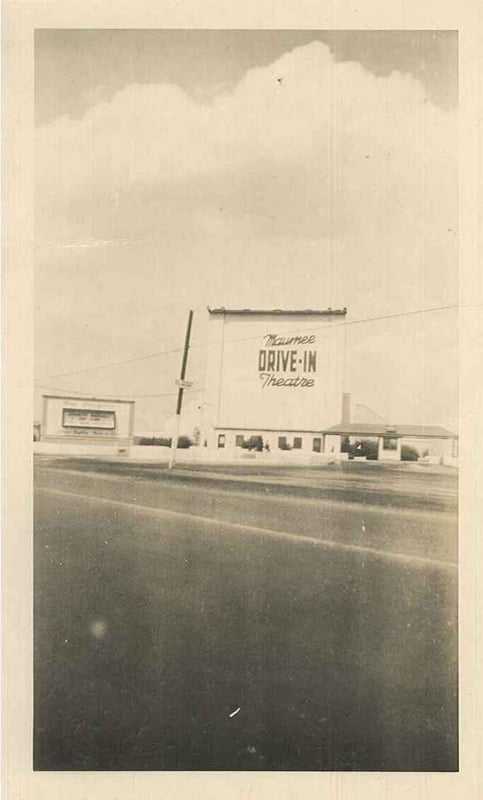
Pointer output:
x,y
88,418
92,420
287,361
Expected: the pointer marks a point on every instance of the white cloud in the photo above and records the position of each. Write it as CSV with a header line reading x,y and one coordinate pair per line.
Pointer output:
x,y
312,182
363,142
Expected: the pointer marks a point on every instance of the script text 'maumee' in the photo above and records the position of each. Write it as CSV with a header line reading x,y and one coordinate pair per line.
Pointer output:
x,y
272,340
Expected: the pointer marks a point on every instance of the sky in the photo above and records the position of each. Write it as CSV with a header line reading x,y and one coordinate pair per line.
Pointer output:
x,y
270,169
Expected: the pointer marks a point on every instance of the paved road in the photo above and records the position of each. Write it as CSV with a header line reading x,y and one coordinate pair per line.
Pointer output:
x,y
164,606
401,485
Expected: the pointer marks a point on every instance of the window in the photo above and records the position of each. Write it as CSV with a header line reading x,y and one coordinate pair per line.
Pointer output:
x,y
282,442
316,445
297,443
389,443
239,440
221,440
88,418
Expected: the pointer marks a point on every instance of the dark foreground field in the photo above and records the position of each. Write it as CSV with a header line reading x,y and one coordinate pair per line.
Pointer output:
x,y
198,624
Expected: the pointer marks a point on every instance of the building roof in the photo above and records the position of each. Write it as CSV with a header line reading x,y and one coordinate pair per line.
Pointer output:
x,y
309,312
255,431
395,431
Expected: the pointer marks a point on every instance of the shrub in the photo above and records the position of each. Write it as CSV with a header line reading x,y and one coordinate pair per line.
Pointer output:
x,y
409,453
154,441
253,443
162,441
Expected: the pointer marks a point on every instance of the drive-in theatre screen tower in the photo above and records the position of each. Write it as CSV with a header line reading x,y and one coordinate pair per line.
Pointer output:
x,y
275,374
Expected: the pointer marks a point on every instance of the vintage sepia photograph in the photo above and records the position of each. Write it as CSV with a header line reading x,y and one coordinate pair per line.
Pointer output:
x,y
246,422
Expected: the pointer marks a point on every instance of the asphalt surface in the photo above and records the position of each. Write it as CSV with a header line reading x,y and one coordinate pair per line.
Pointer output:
x,y
214,620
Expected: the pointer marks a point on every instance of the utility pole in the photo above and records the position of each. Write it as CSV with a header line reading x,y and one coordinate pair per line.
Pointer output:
x,y
182,384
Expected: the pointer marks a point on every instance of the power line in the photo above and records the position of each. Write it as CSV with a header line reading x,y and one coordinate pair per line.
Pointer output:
x,y
316,328
344,324
118,397
362,405
111,364
167,394
63,389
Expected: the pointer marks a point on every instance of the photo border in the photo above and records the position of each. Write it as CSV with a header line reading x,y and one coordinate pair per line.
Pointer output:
x,y
20,20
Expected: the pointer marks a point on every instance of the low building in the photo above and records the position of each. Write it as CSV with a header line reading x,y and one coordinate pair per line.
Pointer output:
x,y
430,441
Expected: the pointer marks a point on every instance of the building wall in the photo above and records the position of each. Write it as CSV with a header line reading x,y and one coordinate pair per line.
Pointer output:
x,y
389,448
90,422
295,441
257,378
435,447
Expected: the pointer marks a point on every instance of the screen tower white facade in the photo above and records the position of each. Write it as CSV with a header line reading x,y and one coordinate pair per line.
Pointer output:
x,y
275,374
